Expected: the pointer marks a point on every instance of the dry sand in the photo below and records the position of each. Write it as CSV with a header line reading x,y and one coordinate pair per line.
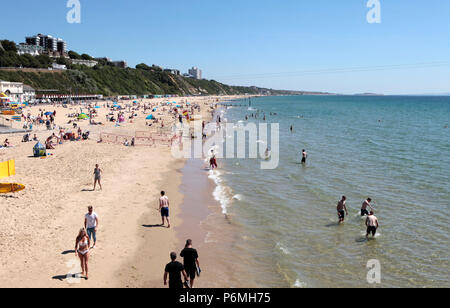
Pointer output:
x,y
40,224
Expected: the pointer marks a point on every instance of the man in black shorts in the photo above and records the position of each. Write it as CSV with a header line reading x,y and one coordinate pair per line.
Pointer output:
x,y
190,261
342,209
304,156
364,207
372,225
174,270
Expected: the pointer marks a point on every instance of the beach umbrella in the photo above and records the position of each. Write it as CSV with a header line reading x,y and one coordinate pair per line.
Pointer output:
x,y
150,117
83,116
97,107
48,113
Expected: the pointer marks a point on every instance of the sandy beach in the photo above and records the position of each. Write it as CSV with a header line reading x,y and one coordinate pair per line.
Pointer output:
x,y
40,223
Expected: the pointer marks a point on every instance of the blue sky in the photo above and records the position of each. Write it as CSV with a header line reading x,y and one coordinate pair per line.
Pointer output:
x,y
249,42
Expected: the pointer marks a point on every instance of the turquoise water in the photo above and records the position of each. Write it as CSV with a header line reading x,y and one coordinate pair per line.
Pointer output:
x,y
392,149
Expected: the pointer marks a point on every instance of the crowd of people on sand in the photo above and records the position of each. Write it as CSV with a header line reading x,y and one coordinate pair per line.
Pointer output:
x,y
86,240
189,269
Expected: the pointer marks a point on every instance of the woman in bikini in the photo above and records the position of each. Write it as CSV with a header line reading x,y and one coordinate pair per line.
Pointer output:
x,y
82,245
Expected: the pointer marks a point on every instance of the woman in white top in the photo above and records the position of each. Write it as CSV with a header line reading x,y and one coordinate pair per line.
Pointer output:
x,y
82,245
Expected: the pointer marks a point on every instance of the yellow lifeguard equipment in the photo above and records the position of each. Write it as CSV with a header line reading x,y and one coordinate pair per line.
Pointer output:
x,y
8,169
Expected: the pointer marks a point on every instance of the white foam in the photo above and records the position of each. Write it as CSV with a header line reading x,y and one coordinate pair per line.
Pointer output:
x,y
238,197
299,284
283,249
220,193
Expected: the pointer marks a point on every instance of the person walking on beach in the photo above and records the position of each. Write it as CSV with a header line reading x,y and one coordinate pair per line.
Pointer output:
x,y
366,204
190,261
304,156
82,244
174,269
91,224
98,176
372,225
342,209
164,208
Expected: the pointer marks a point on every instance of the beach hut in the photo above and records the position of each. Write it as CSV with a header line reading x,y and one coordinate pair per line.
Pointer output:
x,y
150,117
39,150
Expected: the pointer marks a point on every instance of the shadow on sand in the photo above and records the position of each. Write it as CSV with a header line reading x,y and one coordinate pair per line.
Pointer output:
x,y
9,197
67,276
153,226
67,252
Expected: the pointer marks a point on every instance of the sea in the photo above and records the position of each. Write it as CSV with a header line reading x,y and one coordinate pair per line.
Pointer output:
x,y
278,228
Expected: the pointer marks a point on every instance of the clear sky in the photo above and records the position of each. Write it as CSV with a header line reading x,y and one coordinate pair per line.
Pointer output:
x,y
318,43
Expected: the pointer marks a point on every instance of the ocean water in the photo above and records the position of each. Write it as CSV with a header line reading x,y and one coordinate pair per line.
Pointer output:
x,y
278,228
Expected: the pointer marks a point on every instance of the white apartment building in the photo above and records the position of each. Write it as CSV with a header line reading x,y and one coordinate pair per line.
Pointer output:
x,y
57,66
89,63
33,50
195,72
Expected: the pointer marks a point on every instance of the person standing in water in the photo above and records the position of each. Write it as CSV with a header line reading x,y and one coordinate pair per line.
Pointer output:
x,y
164,208
372,225
97,176
364,207
342,209
304,156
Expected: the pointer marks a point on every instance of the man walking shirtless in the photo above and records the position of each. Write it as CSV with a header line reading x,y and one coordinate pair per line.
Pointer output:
x,y
164,208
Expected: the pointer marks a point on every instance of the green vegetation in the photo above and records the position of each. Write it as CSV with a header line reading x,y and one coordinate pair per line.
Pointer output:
x,y
109,81
10,58
104,78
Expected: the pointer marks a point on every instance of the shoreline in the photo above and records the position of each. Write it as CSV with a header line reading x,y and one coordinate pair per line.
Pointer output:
x,y
58,191
214,233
